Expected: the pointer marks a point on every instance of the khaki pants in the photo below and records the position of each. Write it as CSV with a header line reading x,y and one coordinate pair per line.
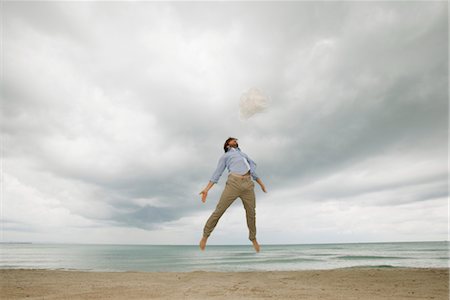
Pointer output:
x,y
242,187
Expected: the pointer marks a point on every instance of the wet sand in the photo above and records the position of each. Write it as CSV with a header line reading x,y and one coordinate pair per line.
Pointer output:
x,y
346,283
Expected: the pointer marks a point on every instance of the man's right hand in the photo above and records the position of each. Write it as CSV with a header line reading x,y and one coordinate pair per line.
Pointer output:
x,y
204,194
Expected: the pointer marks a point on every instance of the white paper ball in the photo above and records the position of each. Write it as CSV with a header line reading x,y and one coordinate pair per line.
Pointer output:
x,y
253,101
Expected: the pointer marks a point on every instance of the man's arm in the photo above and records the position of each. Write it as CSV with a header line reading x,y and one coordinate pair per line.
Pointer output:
x,y
252,168
218,172
253,173
209,186
214,178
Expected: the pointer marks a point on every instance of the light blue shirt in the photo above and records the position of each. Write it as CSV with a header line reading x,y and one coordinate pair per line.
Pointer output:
x,y
237,162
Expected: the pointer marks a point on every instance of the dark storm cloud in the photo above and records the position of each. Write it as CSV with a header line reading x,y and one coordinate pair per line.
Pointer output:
x,y
136,99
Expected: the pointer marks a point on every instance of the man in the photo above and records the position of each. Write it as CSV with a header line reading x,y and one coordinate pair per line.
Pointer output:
x,y
241,170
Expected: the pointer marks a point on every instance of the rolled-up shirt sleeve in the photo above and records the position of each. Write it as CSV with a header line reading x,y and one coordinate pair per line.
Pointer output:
x,y
252,168
219,170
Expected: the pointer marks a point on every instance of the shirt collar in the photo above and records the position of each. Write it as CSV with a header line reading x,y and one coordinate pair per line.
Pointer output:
x,y
235,149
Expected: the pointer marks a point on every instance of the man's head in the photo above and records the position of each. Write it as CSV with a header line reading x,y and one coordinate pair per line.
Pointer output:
x,y
230,142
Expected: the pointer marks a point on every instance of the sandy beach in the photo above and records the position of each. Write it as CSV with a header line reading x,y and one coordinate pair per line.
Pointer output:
x,y
347,283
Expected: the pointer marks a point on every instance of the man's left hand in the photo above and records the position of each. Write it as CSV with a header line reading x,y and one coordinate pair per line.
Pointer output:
x,y
263,187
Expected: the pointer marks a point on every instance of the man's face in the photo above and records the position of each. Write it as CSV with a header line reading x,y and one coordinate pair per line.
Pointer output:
x,y
233,143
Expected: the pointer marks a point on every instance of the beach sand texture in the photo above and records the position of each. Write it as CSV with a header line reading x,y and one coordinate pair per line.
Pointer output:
x,y
347,283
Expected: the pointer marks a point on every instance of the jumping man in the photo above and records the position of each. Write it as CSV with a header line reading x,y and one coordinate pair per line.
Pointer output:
x,y
241,170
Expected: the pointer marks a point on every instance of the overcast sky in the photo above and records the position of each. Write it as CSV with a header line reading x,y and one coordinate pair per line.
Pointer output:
x,y
114,116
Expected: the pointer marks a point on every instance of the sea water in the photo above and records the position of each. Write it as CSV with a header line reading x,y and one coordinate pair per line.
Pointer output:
x,y
185,258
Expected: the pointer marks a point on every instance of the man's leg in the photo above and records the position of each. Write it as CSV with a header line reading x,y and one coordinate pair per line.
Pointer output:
x,y
229,194
249,201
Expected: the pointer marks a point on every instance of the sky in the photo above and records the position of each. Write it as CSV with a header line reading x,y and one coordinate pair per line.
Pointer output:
x,y
114,115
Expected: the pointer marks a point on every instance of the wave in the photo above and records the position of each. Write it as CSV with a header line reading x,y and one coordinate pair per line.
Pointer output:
x,y
353,257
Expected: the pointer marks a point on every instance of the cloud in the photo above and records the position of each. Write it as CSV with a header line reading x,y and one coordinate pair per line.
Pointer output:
x,y
114,116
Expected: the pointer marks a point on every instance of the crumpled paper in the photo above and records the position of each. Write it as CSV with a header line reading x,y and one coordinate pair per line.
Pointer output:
x,y
252,102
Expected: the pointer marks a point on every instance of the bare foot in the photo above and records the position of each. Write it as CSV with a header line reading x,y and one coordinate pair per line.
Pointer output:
x,y
255,245
203,243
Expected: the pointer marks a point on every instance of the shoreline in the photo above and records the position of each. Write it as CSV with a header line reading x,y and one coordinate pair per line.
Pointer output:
x,y
381,267
342,283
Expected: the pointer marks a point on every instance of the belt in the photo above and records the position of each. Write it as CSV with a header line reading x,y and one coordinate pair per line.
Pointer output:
x,y
239,175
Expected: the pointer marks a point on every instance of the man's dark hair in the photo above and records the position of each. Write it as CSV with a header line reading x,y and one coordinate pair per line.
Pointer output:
x,y
225,146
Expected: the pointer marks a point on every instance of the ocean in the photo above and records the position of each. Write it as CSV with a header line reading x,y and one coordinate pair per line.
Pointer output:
x,y
175,258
